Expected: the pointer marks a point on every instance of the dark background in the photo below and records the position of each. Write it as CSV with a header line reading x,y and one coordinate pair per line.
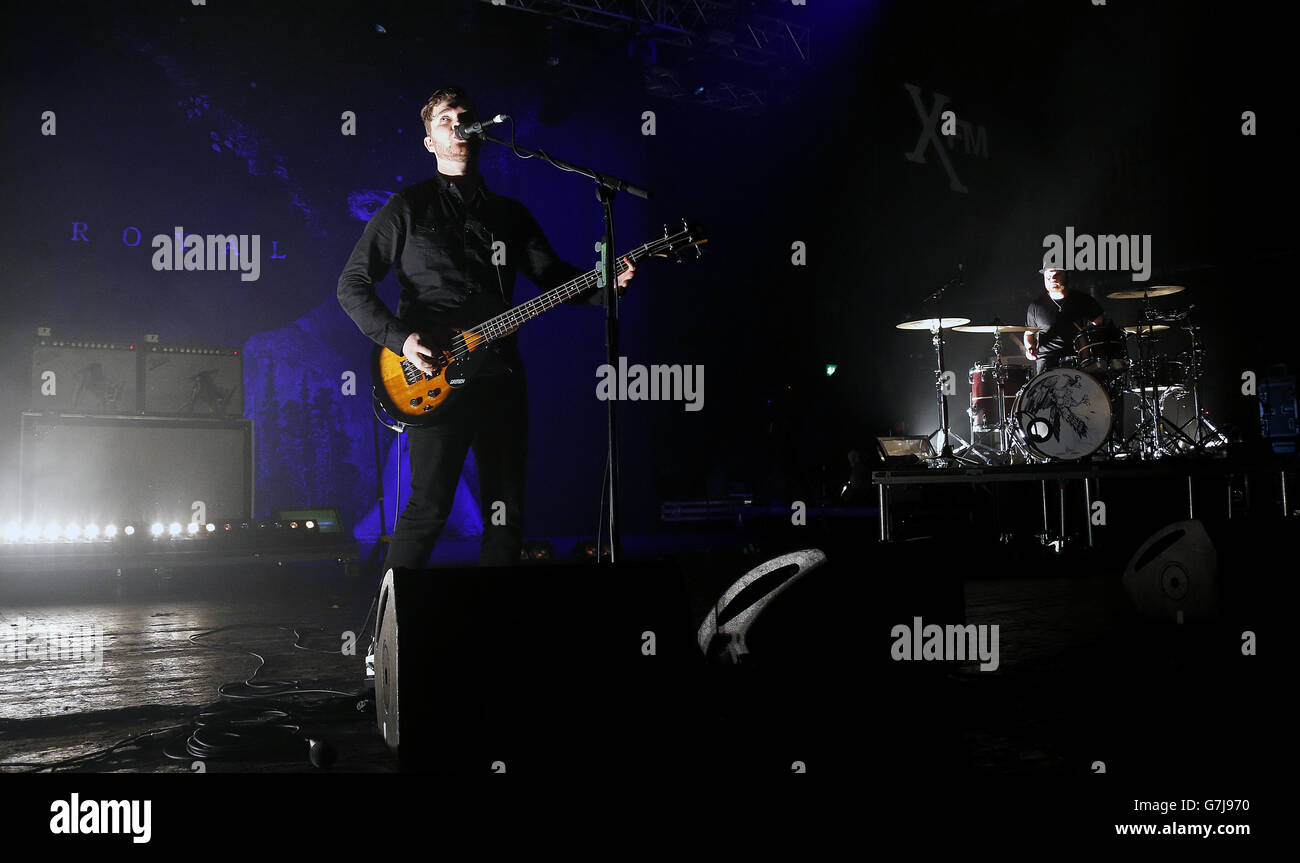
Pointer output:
x,y
225,118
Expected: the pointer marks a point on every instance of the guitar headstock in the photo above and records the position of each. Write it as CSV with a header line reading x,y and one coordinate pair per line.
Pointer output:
x,y
691,235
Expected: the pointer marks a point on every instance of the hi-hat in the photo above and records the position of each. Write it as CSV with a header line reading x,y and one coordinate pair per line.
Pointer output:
x,y
1153,291
933,323
1146,328
995,328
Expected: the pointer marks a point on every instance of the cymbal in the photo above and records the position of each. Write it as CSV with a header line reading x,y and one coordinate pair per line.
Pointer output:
x,y
932,323
995,328
1153,291
1146,328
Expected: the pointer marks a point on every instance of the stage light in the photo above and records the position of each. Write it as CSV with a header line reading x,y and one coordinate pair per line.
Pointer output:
x,y
32,532
13,532
156,528
310,525
92,531
52,530
72,531
110,531
192,528
129,530
174,528
830,369
211,527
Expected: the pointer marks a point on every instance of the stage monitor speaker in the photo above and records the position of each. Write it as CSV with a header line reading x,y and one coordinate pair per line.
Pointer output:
x,y
187,380
134,469
1173,576
92,376
561,669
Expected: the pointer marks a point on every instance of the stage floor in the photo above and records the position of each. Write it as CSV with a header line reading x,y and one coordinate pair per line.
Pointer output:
x,y
1081,676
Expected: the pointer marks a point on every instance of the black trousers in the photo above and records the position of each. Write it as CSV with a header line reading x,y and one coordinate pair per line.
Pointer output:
x,y
491,417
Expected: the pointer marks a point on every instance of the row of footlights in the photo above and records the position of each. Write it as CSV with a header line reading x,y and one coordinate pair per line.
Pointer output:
x,y
16,533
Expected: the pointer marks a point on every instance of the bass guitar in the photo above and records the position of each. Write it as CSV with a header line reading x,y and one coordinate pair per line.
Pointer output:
x,y
412,397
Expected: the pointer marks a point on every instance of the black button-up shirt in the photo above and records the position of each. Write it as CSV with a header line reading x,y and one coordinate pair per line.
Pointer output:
x,y
442,247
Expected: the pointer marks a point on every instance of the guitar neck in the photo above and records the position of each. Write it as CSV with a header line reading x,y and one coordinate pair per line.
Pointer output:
x,y
507,322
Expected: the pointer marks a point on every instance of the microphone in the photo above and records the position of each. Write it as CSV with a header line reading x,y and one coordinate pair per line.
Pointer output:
x,y
464,132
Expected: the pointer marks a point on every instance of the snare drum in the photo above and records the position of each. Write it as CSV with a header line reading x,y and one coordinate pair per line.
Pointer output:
x,y
1062,414
984,393
1101,350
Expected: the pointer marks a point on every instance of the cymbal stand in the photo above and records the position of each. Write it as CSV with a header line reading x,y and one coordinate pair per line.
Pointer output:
x,y
1152,444
1203,424
1143,378
947,452
1000,375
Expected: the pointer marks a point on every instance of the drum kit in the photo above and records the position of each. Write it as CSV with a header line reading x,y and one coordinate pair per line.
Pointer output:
x,y
1074,410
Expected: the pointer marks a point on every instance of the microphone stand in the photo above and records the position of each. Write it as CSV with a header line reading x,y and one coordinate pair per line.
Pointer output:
x,y
606,187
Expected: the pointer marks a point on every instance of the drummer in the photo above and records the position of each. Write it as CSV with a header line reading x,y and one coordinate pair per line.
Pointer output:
x,y
1058,314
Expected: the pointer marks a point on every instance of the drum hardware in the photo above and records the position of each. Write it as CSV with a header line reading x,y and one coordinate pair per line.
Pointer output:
x,y
936,326
1100,350
1074,411
1147,373
1155,378
997,381
1195,358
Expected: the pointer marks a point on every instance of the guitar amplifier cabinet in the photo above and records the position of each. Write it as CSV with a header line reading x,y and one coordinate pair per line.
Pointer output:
x,y
91,376
190,380
99,469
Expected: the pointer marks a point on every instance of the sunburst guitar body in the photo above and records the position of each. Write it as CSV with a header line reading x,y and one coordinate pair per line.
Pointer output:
x,y
411,396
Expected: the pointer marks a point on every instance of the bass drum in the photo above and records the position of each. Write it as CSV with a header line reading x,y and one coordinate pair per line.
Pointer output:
x,y
1062,415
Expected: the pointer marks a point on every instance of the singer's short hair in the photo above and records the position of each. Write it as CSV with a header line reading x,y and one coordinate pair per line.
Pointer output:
x,y
455,96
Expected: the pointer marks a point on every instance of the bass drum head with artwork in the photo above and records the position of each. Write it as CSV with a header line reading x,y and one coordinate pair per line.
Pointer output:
x,y
1063,414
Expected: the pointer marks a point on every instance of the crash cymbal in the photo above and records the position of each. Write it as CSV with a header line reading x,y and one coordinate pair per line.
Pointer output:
x,y
932,323
1153,291
1146,328
995,328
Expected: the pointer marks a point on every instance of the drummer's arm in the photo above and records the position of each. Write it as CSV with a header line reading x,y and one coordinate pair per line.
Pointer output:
x,y
1031,345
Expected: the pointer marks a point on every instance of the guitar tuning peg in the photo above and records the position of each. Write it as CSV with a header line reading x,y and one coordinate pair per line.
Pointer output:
x,y
665,230
699,253
685,227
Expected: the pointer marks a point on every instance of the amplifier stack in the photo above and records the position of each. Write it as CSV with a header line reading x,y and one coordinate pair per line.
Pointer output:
x,y
134,431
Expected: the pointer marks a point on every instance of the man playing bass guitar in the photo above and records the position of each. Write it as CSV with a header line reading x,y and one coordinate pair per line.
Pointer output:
x,y
441,236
